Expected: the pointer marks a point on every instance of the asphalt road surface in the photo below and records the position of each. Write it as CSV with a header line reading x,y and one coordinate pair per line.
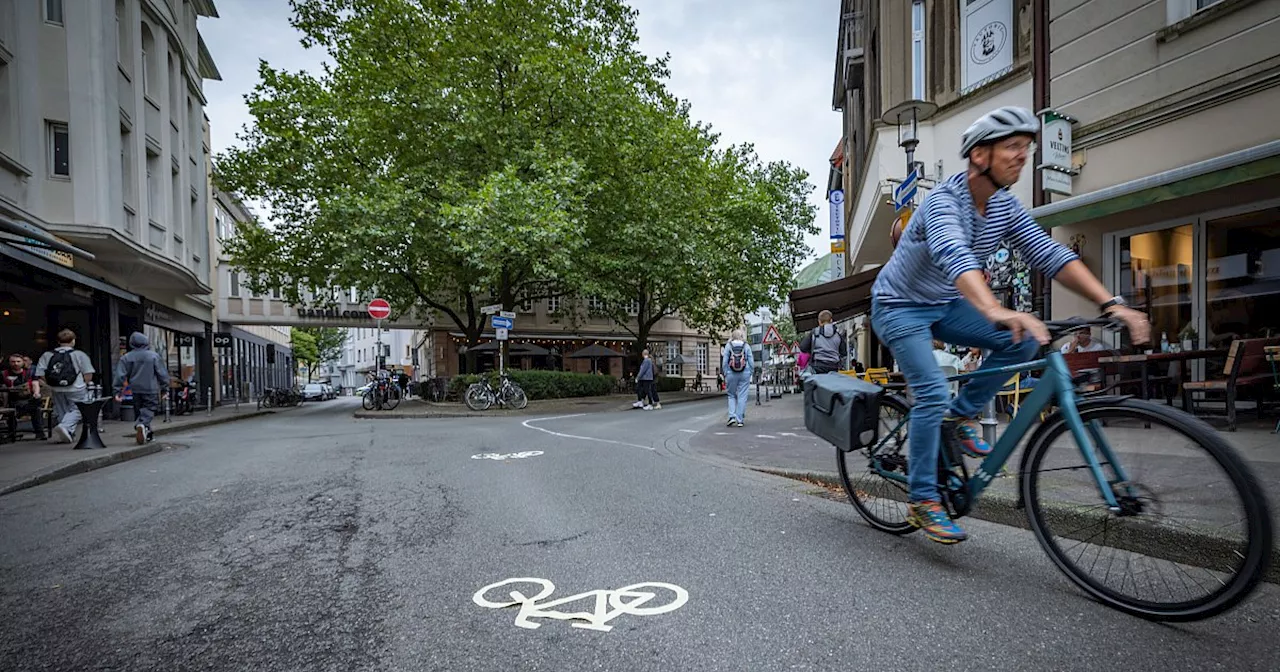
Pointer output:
x,y
312,541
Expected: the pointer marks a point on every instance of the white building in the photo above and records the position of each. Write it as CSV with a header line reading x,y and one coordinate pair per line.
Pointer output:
x,y
103,144
359,356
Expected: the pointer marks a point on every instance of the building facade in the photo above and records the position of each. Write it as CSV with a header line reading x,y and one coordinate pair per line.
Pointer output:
x,y
103,145
1174,201
952,62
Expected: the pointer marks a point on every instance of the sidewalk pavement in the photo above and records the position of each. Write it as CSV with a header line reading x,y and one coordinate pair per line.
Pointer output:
x,y
775,440
28,463
418,408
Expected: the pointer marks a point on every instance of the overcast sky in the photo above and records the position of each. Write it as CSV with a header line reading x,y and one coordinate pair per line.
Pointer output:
x,y
758,71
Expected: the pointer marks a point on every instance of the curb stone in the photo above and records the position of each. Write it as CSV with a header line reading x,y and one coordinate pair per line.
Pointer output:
x,y
197,424
527,412
1002,508
87,465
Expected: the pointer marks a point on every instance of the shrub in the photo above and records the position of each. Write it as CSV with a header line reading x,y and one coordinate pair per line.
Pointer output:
x,y
546,384
670,383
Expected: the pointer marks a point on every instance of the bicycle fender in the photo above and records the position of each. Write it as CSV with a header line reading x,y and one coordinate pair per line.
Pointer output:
x,y
1082,404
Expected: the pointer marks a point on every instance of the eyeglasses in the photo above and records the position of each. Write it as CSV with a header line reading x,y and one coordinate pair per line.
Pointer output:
x,y
1019,146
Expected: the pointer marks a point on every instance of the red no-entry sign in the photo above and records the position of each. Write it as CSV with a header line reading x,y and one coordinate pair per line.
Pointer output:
x,y
379,309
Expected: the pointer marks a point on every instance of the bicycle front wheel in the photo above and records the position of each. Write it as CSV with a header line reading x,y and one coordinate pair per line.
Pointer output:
x,y
882,502
1193,534
476,398
391,399
367,401
515,397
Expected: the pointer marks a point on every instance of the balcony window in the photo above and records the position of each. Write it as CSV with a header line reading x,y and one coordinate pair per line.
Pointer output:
x,y
59,150
53,12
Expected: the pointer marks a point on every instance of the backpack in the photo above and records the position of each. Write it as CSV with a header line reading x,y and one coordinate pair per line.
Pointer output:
x,y
738,357
826,348
61,371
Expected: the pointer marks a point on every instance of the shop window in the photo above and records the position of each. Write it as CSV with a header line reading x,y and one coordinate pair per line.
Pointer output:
x,y
1157,270
1242,277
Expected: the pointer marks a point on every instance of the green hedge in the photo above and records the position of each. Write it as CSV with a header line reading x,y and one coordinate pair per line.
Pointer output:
x,y
547,384
670,384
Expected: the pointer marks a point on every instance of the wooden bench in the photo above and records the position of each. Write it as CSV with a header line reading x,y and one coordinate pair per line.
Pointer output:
x,y
1247,367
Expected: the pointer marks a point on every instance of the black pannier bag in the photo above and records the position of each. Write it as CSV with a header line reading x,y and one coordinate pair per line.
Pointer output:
x,y
842,409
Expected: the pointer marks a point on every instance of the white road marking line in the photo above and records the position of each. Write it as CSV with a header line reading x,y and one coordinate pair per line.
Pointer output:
x,y
789,434
690,431
625,600
505,456
765,436
724,433
575,436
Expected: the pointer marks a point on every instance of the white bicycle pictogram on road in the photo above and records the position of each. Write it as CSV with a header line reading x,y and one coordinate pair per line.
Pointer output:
x,y
609,604
506,456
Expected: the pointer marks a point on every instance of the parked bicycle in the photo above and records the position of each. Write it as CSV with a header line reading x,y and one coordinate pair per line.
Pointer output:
x,y
279,397
382,395
1111,531
482,395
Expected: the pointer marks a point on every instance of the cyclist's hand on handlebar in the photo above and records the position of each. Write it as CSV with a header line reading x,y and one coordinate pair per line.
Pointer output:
x,y
1136,322
1020,324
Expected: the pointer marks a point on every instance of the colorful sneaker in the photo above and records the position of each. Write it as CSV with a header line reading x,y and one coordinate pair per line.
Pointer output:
x,y
930,517
969,434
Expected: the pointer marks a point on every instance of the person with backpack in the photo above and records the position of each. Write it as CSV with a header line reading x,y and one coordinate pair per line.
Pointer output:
x,y
825,345
68,372
646,386
146,375
737,362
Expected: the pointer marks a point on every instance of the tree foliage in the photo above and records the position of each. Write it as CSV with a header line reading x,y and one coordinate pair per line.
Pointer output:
x,y
313,346
458,153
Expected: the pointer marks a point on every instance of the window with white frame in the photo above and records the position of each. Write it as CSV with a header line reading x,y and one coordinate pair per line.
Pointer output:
x,y
704,350
1181,9
917,50
234,285
53,11
673,349
633,308
525,306
553,305
595,305
59,150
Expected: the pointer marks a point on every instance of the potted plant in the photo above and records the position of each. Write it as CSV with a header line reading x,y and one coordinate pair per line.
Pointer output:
x,y
1188,336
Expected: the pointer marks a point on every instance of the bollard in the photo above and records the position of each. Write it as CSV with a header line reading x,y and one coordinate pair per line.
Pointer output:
x,y
208,399
988,420
167,405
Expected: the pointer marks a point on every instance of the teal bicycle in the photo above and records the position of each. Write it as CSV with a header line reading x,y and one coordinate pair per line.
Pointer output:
x,y
1101,478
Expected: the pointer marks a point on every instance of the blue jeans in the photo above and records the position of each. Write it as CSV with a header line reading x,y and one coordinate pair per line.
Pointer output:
x,y
737,385
909,331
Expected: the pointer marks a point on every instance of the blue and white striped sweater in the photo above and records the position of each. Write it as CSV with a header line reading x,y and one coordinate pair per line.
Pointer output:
x,y
946,238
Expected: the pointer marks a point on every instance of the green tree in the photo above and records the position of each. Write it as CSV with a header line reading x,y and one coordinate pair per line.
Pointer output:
x,y
454,153
304,349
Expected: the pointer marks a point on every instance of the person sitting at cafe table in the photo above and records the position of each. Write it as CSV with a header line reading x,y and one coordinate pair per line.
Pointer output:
x,y
1083,341
24,392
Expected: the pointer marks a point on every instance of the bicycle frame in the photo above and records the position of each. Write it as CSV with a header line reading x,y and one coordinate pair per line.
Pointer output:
x,y
1054,384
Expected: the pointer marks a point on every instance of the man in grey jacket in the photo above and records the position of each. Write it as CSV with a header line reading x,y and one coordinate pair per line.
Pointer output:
x,y
646,386
147,377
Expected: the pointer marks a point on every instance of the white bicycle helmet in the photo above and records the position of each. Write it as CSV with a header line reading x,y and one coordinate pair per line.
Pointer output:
x,y
998,124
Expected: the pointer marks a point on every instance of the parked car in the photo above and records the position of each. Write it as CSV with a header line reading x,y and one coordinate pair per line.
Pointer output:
x,y
313,392
362,389
329,392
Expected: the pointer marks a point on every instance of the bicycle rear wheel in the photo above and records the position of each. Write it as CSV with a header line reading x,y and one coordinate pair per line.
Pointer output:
x,y
880,501
515,397
477,398
1141,560
391,399
367,401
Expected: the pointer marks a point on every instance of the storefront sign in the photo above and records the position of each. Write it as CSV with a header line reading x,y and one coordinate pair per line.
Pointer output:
x,y
162,316
332,313
185,340
222,340
1056,169
986,42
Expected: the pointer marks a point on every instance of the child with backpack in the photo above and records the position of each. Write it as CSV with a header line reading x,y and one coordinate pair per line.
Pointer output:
x,y
67,371
737,363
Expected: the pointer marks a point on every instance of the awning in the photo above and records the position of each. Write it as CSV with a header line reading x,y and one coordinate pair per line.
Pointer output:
x,y
34,236
845,298
18,254
1229,169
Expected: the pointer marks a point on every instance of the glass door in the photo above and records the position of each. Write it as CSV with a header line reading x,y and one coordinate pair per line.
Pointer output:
x,y
1156,274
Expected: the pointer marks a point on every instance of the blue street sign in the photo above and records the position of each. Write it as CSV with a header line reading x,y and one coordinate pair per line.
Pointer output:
x,y
500,322
905,192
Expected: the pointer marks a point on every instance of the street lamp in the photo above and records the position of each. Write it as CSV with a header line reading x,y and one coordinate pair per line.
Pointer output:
x,y
907,116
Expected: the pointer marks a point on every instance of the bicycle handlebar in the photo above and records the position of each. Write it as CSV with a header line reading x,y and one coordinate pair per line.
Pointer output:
x,y
1058,328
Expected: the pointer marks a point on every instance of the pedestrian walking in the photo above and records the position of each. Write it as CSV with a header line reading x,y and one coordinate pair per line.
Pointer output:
x,y
737,362
826,345
146,375
646,385
68,372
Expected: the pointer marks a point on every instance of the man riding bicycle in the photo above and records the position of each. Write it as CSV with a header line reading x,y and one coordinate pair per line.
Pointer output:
x,y
934,287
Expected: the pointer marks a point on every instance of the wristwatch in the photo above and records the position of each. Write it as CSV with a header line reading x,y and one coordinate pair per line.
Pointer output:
x,y
1112,302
